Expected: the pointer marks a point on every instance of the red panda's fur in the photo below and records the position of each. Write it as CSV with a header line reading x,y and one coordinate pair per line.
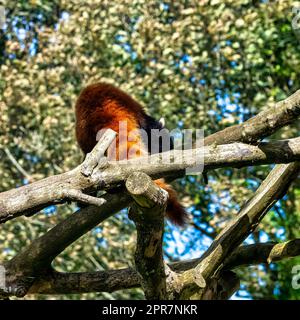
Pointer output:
x,y
102,106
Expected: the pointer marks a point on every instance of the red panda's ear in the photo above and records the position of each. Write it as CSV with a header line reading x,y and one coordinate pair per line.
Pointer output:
x,y
162,121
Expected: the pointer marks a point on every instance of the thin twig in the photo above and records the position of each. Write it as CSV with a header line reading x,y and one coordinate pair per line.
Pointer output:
x,y
17,165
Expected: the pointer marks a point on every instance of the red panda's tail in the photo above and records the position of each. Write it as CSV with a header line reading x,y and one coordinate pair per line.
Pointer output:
x,y
174,211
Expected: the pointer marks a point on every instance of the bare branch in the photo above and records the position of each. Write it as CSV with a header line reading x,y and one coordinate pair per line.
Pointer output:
x,y
33,263
221,288
262,253
249,255
77,195
31,198
112,280
272,189
148,216
82,282
52,190
262,125
37,257
93,158
17,165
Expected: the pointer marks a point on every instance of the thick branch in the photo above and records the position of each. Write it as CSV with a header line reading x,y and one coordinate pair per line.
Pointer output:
x,y
262,253
249,255
37,257
82,282
57,189
32,198
221,288
175,162
272,189
51,190
108,281
148,216
262,125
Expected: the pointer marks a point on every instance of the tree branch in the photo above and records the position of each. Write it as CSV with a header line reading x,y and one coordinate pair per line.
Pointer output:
x,y
262,253
272,189
92,159
262,125
221,287
37,257
112,280
34,262
249,254
33,197
17,165
148,216
57,189
82,282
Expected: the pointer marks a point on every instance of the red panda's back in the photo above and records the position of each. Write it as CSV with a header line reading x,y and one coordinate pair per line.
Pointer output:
x,y
102,106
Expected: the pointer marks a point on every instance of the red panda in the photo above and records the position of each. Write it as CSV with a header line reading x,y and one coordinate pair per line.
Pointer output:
x,y
101,106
